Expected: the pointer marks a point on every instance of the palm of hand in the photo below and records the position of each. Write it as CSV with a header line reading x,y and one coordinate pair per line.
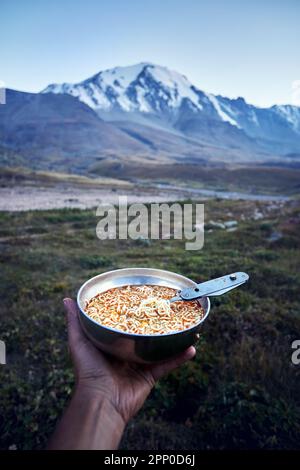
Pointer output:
x,y
125,385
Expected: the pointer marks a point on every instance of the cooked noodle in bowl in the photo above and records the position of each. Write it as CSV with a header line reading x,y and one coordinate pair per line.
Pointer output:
x,y
127,313
143,310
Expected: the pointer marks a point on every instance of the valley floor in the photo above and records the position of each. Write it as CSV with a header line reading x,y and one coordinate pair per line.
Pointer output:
x,y
23,199
22,190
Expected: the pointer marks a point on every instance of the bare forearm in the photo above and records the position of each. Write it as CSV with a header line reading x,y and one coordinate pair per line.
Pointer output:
x,y
90,422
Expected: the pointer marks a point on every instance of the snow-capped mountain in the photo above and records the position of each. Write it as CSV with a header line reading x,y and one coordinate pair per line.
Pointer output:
x,y
130,115
153,95
144,88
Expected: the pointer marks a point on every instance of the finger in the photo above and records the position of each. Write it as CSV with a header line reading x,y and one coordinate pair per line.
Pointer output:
x,y
80,346
165,367
75,333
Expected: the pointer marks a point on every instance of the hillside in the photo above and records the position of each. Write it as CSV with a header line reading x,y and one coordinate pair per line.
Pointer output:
x,y
57,131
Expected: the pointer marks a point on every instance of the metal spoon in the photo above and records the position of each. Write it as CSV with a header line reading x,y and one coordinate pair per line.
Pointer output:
x,y
218,286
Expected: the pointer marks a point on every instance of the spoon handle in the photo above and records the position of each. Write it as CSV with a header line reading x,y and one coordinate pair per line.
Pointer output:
x,y
218,286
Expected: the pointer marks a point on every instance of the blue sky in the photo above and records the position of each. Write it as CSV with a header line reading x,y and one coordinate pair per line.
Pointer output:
x,y
235,48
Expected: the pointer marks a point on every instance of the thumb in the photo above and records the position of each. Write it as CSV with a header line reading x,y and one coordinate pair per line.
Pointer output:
x,y
75,333
159,370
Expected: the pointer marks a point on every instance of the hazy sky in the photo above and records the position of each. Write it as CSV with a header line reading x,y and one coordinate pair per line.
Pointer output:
x,y
234,48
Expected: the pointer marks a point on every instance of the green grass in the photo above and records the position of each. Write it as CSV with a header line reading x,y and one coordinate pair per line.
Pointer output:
x,y
241,391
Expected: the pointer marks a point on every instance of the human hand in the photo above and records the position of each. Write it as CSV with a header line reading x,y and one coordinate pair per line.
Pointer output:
x,y
125,385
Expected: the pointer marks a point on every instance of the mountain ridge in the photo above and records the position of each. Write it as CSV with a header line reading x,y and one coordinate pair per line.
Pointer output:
x,y
155,95
141,114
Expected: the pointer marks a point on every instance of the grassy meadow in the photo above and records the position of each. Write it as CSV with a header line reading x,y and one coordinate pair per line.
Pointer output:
x,y
241,391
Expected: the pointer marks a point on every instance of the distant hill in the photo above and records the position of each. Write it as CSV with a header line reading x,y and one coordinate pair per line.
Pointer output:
x,y
56,132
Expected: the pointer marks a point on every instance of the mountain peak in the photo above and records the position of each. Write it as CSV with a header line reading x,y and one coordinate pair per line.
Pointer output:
x,y
143,87
122,74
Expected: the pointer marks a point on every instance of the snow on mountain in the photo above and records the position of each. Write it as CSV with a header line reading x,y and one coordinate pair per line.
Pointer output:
x,y
224,112
155,95
290,113
143,87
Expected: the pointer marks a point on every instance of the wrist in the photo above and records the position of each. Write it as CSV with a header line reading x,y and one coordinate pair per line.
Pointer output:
x,y
100,400
101,425
90,422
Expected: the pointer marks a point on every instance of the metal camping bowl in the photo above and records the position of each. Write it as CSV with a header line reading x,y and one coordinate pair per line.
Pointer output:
x,y
136,347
